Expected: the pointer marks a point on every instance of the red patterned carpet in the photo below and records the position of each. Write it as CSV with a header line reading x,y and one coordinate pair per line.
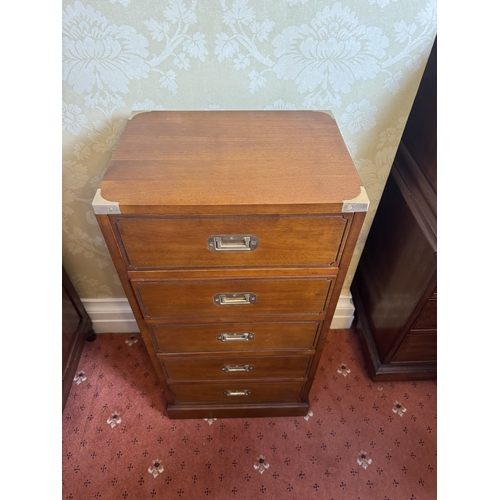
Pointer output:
x,y
361,441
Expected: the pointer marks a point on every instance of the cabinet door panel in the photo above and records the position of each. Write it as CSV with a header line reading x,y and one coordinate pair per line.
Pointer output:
x,y
417,347
427,319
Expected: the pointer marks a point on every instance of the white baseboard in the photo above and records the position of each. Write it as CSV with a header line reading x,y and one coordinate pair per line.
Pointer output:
x,y
115,315
111,315
344,314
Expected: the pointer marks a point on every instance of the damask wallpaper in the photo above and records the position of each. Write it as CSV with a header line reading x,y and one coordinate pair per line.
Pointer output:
x,y
361,59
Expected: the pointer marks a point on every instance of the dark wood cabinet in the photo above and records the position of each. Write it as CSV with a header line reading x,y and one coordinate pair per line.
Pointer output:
x,y
232,233
395,286
76,330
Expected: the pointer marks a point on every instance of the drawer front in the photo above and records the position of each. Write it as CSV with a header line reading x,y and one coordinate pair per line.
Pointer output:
x,y
226,298
239,392
236,367
427,319
155,243
417,347
235,336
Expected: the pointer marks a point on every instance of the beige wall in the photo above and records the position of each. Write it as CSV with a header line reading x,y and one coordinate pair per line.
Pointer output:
x,y
361,59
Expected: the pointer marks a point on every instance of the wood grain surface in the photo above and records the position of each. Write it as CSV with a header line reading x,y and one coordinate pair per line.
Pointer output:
x,y
230,158
216,205
258,392
203,337
195,299
211,368
183,242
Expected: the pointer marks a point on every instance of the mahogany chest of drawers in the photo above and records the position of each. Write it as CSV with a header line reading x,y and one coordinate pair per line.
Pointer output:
x,y
395,286
232,232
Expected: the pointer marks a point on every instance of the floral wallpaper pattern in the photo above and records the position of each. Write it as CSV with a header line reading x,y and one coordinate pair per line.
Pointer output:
x,y
361,59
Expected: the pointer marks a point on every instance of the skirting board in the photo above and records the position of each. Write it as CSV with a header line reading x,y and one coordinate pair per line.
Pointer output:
x,y
344,314
115,315
111,315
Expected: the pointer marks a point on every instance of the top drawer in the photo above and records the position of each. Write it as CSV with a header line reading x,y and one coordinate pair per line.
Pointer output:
x,y
211,242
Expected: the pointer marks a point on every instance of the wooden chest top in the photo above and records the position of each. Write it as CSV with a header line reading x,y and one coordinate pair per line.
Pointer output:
x,y
230,162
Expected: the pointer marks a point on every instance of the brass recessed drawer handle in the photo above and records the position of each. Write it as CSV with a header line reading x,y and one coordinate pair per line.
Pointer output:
x,y
233,243
235,299
235,337
237,368
245,392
